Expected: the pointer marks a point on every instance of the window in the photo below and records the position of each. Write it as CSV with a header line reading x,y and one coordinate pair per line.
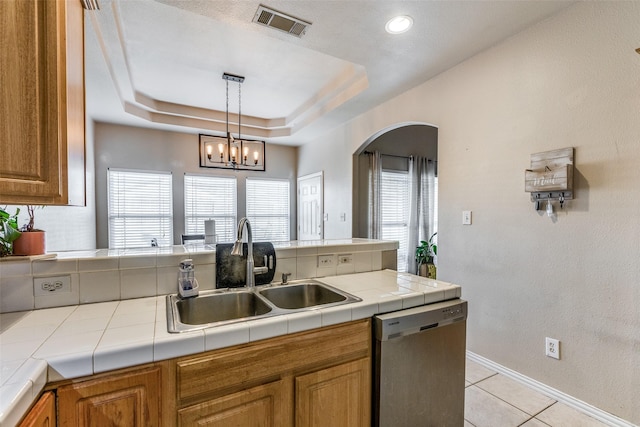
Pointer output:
x,y
268,209
394,211
210,197
140,208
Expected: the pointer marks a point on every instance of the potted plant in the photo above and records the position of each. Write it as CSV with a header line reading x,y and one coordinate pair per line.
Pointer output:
x,y
31,241
424,257
8,231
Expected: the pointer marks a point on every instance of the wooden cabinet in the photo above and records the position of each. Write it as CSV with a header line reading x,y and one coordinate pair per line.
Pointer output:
x,y
320,377
43,414
42,123
335,396
316,378
266,405
131,398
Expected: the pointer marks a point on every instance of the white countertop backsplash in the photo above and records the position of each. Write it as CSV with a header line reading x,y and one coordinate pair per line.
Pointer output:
x,y
41,346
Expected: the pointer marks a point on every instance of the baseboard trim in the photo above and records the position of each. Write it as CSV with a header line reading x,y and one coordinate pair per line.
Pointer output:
x,y
577,404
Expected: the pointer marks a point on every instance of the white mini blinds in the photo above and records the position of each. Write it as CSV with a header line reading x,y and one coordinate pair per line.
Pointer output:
x,y
210,197
394,211
268,208
140,208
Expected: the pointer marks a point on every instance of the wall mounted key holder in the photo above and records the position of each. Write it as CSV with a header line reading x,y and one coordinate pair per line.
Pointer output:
x,y
550,178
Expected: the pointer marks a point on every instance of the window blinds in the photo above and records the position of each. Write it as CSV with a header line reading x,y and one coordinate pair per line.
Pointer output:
x,y
211,197
140,208
268,209
394,211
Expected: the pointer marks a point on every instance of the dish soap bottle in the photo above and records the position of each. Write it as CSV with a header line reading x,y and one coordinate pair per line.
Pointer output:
x,y
187,283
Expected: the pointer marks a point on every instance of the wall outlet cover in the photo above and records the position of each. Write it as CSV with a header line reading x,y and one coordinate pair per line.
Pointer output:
x,y
552,348
51,285
325,261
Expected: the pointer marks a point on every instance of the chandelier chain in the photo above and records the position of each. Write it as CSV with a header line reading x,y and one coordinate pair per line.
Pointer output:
x,y
227,108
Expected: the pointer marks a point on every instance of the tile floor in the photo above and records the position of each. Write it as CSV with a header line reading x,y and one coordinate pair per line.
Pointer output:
x,y
494,400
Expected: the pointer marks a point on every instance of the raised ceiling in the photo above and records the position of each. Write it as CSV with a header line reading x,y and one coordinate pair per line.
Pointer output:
x,y
159,63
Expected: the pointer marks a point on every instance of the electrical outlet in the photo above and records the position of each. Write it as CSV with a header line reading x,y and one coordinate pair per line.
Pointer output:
x,y
552,348
325,261
51,285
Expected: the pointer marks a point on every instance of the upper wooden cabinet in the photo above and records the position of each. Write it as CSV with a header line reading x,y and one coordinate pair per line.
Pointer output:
x,y
42,123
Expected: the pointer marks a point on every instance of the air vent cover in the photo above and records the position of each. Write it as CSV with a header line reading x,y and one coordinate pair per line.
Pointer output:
x,y
280,21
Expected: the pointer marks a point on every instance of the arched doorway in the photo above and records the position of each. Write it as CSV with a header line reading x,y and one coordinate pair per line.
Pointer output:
x,y
396,145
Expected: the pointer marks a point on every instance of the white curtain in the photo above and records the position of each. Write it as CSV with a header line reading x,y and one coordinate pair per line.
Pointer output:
x,y
422,174
375,178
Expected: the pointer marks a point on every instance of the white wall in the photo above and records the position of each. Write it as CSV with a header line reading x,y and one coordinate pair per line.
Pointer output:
x,y
69,227
146,149
334,159
572,80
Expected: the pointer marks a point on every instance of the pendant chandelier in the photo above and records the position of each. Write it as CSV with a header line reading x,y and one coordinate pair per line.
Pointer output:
x,y
233,153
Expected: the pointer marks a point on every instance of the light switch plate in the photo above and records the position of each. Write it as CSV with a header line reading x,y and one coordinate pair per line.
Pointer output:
x,y
466,217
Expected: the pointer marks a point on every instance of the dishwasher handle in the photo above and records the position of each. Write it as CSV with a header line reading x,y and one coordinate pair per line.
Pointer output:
x,y
419,319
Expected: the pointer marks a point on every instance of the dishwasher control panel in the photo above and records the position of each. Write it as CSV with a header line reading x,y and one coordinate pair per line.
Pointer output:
x,y
414,320
448,313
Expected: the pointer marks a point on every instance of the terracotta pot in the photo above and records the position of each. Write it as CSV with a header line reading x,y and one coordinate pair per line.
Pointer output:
x,y
30,243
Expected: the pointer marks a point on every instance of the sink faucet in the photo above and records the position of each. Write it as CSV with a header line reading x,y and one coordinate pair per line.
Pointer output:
x,y
250,281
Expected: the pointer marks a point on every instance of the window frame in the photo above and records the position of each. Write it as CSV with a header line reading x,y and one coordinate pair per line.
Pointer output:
x,y
222,219
401,222
258,233
113,215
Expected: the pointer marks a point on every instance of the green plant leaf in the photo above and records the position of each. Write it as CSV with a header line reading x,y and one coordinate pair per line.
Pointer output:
x,y
9,233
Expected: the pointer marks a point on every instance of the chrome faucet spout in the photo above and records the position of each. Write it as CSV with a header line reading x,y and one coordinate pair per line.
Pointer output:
x,y
250,281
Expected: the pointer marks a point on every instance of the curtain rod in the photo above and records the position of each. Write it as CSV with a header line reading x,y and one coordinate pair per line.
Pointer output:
x,y
400,157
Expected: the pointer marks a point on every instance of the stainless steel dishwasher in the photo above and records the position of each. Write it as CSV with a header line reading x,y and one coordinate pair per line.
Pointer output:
x,y
419,365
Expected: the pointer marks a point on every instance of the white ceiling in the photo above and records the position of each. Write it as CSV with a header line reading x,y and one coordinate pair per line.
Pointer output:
x,y
159,63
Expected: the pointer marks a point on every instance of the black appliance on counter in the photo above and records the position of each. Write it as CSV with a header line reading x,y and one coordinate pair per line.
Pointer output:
x,y
231,270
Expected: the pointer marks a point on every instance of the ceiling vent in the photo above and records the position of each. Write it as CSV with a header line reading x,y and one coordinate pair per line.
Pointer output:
x,y
278,20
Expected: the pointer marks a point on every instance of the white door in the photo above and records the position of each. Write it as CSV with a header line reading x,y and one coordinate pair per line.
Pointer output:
x,y
310,197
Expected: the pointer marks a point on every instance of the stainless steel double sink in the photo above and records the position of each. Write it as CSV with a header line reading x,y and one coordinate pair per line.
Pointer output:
x,y
225,306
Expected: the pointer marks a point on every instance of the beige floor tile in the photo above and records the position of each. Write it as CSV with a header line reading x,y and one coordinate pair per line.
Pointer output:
x,y
561,415
534,423
468,424
485,410
515,393
476,372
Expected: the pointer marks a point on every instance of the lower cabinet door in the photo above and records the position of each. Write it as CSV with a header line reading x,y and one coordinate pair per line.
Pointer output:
x,y
336,396
267,405
43,414
129,399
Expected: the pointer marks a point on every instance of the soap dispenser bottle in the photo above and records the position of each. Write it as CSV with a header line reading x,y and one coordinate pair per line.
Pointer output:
x,y
187,283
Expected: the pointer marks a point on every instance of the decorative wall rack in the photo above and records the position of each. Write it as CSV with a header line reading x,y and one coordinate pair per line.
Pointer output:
x,y
550,176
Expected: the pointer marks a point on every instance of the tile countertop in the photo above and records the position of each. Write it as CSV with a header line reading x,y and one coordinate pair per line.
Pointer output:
x,y
48,345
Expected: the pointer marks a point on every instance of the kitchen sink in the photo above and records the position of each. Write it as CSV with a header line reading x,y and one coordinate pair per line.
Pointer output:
x,y
225,306
304,295
214,307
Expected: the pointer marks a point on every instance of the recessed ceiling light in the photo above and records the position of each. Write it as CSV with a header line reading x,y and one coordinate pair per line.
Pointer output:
x,y
398,24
